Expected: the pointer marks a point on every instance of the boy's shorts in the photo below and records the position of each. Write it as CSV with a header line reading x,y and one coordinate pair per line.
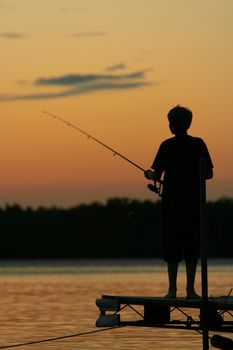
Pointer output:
x,y
181,227
181,245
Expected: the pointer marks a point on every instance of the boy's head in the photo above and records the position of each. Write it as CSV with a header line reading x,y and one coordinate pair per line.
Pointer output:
x,y
180,119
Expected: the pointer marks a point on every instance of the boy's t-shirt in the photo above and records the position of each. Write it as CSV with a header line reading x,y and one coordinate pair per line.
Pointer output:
x,y
178,157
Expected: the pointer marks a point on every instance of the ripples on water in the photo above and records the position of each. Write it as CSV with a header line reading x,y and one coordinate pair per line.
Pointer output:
x,y
49,299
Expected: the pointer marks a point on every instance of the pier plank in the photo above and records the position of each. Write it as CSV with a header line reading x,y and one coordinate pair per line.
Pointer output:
x,y
221,303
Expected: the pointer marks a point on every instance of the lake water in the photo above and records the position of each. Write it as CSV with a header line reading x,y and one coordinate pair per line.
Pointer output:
x,y
50,299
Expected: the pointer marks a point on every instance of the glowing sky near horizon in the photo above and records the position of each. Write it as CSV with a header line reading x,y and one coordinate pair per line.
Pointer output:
x,y
114,68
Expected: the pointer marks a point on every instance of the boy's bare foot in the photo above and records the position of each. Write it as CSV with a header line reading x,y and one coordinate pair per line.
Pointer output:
x,y
171,294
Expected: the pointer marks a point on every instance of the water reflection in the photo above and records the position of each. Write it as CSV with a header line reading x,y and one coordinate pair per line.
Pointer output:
x,y
49,300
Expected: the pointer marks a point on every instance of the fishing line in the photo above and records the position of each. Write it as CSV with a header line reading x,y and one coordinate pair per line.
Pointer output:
x,y
115,153
57,338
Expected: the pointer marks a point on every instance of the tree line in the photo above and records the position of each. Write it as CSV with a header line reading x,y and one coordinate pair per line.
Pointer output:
x,y
121,228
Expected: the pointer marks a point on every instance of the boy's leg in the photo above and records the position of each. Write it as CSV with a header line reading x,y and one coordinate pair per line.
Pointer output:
x,y
172,268
191,273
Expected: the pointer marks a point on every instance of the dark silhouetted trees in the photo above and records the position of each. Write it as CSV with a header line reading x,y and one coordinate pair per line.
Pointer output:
x,y
120,228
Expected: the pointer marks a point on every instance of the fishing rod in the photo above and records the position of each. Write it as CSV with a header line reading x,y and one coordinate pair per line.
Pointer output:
x,y
94,139
89,136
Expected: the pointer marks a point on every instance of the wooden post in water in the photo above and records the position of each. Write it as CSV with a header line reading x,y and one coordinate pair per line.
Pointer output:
x,y
203,243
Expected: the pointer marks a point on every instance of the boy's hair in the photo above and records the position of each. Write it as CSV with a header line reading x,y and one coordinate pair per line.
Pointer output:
x,y
180,118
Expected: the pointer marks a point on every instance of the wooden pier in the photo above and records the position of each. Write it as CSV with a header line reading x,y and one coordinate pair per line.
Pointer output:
x,y
195,314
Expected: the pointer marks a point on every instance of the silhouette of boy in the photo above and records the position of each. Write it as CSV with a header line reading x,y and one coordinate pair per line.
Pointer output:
x,y
178,160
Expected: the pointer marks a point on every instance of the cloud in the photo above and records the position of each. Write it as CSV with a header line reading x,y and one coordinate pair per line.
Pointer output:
x,y
3,5
77,84
116,67
6,6
73,79
89,34
72,9
12,35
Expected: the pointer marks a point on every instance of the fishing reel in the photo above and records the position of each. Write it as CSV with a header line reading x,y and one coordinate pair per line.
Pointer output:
x,y
156,188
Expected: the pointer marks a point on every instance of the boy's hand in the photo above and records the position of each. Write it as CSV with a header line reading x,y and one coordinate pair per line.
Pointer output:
x,y
149,174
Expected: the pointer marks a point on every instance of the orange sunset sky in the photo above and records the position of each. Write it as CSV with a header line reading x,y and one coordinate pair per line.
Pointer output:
x,y
114,68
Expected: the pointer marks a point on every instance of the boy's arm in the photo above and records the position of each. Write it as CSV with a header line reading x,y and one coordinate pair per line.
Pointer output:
x,y
209,173
208,162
